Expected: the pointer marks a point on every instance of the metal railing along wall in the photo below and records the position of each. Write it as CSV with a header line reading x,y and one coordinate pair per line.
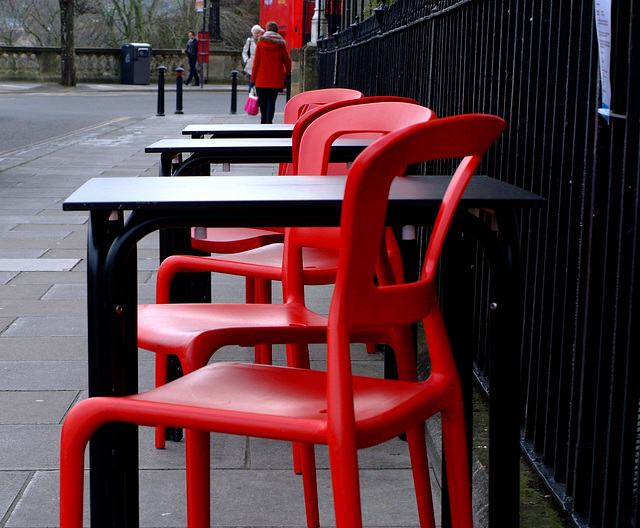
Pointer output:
x,y
341,14
535,63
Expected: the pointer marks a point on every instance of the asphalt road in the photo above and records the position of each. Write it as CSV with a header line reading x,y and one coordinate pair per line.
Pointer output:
x,y
44,114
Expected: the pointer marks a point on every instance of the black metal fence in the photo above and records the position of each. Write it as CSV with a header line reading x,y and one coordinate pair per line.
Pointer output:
x,y
535,63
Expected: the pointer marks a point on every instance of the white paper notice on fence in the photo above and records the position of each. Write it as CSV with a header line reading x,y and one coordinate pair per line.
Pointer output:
x,y
603,27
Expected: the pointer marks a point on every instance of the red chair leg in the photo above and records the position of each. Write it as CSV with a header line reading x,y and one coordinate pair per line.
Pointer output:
x,y
295,453
298,356
259,291
265,354
263,295
198,479
250,298
249,290
71,478
78,427
310,484
421,478
457,467
346,487
162,367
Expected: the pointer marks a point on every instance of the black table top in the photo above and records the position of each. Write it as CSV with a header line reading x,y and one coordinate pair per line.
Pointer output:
x,y
235,144
239,130
252,150
287,200
241,144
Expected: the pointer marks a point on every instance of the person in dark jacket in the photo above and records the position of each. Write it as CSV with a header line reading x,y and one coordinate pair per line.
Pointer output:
x,y
192,54
271,68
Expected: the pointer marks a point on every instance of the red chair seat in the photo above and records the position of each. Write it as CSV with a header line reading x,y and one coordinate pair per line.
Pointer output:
x,y
195,331
320,264
282,399
232,240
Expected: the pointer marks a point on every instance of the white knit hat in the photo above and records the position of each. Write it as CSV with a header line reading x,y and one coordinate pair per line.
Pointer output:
x,y
256,28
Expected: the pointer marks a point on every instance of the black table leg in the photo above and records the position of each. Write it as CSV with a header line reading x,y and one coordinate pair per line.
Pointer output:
x,y
113,449
505,323
504,368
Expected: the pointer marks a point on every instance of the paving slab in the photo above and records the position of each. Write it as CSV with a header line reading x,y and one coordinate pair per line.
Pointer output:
x,y
65,292
249,498
50,278
23,291
42,219
36,505
42,375
11,485
48,324
29,447
65,348
6,276
28,238
11,253
23,407
40,264
78,253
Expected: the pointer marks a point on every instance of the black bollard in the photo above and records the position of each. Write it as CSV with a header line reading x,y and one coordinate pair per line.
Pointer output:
x,y
234,91
161,70
179,73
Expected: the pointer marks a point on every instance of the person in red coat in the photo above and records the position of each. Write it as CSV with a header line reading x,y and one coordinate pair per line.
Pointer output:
x,y
271,69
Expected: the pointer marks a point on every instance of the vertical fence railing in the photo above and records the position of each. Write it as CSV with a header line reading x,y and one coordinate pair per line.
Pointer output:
x,y
535,63
341,14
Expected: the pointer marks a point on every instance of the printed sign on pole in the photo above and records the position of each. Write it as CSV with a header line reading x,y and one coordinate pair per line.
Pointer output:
x,y
603,26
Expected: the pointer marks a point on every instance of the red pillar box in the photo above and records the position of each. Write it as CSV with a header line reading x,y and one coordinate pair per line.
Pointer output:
x,y
203,46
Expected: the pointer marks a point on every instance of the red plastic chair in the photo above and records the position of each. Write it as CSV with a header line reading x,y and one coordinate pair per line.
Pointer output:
x,y
206,239
235,240
313,113
292,110
180,329
204,328
345,412
264,265
232,240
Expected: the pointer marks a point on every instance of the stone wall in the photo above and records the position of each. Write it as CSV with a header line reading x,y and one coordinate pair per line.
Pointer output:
x,y
39,64
304,69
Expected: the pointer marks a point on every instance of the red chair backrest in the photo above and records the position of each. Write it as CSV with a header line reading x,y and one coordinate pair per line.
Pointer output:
x,y
315,145
326,95
315,111
378,118
359,304
357,301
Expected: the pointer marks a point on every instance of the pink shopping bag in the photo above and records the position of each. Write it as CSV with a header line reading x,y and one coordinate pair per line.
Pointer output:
x,y
251,106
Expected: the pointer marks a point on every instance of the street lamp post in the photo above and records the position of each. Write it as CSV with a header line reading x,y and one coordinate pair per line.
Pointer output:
x,y
204,35
318,22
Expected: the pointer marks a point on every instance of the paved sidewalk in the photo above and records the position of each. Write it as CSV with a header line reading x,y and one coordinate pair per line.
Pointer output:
x,y
43,368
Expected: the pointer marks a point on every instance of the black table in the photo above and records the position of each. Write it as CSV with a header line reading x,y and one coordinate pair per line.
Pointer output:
x,y
239,130
253,201
240,150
